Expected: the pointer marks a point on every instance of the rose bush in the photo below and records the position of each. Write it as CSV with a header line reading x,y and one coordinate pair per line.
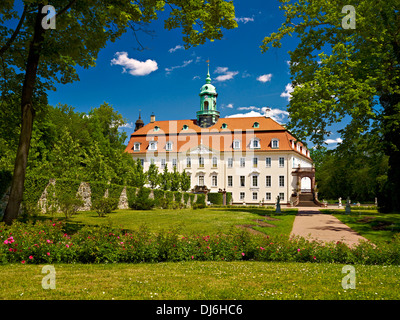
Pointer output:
x,y
47,242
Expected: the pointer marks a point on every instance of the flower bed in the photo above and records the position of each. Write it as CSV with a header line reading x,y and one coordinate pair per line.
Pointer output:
x,y
46,242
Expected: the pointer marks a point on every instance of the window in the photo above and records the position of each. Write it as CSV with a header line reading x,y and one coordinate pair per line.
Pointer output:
x,y
242,181
281,181
136,146
274,143
188,162
281,196
156,128
242,195
268,196
281,162
224,126
142,162
242,162
201,180
215,162
256,125
268,162
163,162
236,144
174,162
201,162
255,144
255,195
205,105
153,145
255,181
185,127
168,146
230,181
255,162
214,180
230,162
268,181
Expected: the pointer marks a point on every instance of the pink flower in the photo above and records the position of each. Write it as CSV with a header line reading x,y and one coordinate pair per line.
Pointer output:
x,y
48,241
67,245
243,254
48,253
54,224
298,250
262,248
23,261
192,257
30,257
5,241
11,249
315,258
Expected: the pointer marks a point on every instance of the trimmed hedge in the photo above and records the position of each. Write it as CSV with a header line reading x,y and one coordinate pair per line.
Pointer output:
x,y
216,198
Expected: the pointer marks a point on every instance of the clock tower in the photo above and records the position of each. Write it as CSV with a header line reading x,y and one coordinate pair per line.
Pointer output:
x,y
208,113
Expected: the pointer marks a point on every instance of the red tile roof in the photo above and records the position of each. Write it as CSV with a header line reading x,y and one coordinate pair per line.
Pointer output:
x,y
215,137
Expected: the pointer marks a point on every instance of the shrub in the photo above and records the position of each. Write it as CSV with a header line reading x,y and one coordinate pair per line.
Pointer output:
x,y
216,198
105,205
69,205
142,201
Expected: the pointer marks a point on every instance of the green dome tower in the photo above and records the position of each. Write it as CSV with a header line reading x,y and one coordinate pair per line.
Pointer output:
x,y
208,113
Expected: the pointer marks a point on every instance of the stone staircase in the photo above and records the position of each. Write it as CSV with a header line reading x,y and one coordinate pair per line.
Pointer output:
x,y
306,200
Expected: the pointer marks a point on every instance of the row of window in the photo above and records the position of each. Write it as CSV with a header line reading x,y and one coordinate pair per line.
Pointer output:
x,y
242,181
230,162
242,196
254,144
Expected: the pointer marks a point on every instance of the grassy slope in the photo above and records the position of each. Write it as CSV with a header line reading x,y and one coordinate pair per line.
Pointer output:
x,y
200,280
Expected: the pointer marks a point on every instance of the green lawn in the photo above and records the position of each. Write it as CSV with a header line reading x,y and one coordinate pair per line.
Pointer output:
x,y
370,224
188,221
200,280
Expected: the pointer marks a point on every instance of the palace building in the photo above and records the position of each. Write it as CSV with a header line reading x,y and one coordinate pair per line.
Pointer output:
x,y
255,158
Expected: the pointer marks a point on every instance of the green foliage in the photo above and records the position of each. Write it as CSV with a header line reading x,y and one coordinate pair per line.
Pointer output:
x,y
175,177
66,194
98,190
184,181
165,181
153,176
5,181
215,198
200,201
104,206
34,187
142,201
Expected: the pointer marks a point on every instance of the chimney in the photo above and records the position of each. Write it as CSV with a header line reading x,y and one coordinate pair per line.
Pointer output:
x,y
152,118
267,112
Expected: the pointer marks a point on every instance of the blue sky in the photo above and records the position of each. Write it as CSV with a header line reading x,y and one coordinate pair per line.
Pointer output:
x,y
166,79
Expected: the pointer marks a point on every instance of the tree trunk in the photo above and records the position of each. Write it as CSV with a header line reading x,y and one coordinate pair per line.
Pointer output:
x,y
27,115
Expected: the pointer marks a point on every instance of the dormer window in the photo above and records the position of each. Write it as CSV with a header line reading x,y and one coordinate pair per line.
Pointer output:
x,y
236,144
256,125
156,128
224,126
153,145
275,143
255,143
168,146
136,146
185,127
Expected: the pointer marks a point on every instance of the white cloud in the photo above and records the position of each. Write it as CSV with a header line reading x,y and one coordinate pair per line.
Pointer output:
x,y
230,106
245,115
196,77
128,125
331,141
133,66
244,19
245,74
276,114
178,47
288,92
265,77
225,74
185,64
249,108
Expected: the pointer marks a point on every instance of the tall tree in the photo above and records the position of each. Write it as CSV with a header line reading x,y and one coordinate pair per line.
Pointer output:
x,y
153,177
346,65
39,57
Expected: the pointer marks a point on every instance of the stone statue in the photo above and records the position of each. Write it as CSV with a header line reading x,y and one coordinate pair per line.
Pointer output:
x,y
278,205
348,208
340,202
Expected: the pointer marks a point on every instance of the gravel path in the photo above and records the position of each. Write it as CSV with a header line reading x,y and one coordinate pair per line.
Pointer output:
x,y
311,224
